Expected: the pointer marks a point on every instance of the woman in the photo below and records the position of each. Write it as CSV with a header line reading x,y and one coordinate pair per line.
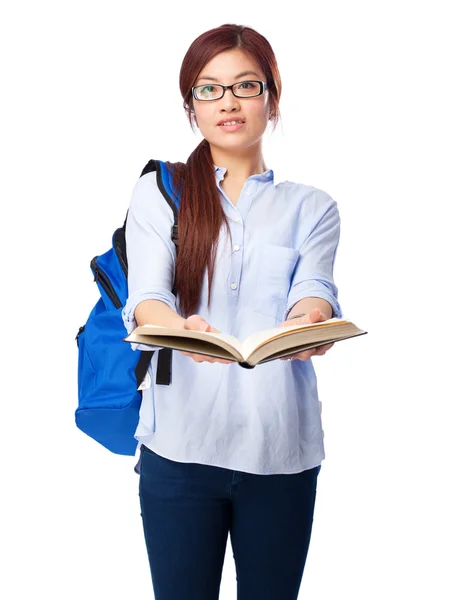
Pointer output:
x,y
226,449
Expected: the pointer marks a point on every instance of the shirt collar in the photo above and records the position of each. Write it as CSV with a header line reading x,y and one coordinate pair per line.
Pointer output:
x,y
266,176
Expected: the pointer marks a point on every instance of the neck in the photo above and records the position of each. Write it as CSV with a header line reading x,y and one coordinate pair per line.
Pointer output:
x,y
239,166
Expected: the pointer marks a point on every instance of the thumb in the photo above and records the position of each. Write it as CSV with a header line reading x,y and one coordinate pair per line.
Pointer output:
x,y
303,320
316,315
196,323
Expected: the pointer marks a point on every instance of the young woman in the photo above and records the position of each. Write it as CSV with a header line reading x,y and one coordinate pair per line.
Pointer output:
x,y
226,449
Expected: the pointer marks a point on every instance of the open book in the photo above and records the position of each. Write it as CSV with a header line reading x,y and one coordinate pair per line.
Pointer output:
x,y
257,348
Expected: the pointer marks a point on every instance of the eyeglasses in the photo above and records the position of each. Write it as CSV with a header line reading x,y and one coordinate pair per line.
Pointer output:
x,y
241,89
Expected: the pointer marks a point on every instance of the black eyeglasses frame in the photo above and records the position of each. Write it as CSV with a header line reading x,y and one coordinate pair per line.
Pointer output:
x,y
263,86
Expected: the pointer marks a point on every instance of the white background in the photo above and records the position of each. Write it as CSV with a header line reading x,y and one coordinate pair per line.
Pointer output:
x,y
374,111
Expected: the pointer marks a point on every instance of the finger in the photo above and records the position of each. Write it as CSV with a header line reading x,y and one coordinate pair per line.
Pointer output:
x,y
306,355
197,357
192,354
321,350
204,358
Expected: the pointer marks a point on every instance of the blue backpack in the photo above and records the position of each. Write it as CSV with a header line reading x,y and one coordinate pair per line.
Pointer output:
x,y
109,371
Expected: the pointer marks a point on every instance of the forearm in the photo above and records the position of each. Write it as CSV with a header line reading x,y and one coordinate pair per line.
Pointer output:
x,y
154,312
305,305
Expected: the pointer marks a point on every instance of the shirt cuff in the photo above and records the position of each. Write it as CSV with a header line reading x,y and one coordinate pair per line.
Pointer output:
x,y
317,290
128,311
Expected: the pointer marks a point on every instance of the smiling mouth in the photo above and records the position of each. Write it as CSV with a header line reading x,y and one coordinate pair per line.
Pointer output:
x,y
231,123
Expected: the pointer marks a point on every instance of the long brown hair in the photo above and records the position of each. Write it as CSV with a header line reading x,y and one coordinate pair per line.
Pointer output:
x,y
201,214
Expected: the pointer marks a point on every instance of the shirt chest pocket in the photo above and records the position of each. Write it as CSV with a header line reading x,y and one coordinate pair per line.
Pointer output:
x,y
276,265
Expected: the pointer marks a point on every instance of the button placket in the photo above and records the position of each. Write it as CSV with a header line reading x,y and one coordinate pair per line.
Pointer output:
x,y
236,259
246,199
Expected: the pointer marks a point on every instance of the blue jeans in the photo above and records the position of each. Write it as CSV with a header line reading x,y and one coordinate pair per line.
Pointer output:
x,y
188,509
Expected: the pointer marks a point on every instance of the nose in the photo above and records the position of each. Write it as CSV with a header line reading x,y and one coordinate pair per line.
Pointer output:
x,y
229,102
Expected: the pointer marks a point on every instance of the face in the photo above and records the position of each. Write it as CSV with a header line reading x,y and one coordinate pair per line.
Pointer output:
x,y
230,67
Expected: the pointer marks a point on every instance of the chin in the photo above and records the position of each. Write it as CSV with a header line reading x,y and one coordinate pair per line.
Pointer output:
x,y
230,144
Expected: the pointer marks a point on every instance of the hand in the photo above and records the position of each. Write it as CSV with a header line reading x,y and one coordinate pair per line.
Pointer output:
x,y
315,316
198,323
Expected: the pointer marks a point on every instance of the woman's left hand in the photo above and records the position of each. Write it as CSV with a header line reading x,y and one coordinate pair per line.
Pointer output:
x,y
315,316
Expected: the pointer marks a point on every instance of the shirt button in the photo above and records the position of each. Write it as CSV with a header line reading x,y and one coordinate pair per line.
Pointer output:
x,y
236,248
233,286
237,219
249,193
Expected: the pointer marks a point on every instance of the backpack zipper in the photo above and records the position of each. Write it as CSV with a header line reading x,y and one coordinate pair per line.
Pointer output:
x,y
101,277
80,331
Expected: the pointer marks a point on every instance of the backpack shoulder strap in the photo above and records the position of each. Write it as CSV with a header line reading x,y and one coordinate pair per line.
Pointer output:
x,y
164,183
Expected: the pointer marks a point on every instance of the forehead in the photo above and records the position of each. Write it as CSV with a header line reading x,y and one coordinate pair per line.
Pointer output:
x,y
229,66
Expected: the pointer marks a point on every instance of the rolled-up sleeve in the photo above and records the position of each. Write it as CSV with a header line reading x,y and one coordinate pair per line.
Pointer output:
x,y
313,275
151,253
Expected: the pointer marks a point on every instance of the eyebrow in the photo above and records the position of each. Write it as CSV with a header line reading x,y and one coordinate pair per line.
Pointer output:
x,y
243,74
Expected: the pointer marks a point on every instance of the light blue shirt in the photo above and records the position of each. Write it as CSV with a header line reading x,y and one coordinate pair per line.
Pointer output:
x,y
265,420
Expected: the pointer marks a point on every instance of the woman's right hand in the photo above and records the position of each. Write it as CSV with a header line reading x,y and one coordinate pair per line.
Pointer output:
x,y
198,323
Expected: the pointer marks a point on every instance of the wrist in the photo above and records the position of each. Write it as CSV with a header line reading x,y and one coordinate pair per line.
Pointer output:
x,y
180,323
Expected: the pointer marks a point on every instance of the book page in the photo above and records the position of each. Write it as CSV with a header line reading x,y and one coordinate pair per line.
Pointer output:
x,y
222,340
307,346
303,339
256,340
184,344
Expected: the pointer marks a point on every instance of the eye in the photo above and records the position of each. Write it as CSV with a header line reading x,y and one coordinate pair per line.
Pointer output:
x,y
207,89
246,85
